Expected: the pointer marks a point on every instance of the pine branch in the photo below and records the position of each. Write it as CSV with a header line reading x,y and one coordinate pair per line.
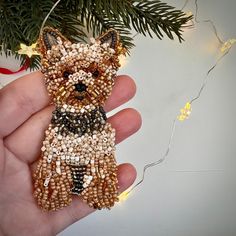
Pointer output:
x,y
146,17
155,16
20,21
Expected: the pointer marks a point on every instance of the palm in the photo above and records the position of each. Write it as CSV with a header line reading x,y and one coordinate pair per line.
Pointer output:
x,y
25,114
17,201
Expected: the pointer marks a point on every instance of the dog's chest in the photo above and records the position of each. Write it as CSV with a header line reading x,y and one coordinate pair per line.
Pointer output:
x,y
79,138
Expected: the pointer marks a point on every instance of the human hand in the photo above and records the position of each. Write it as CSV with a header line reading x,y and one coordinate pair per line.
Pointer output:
x,y
24,115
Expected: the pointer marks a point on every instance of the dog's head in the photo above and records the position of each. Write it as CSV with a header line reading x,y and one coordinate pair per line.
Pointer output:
x,y
79,74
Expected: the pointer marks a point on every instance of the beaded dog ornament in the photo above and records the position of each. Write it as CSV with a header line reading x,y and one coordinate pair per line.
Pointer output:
x,y
77,156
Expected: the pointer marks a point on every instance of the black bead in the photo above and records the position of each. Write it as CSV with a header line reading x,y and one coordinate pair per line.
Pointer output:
x,y
96,73
80,87
80,98
66,74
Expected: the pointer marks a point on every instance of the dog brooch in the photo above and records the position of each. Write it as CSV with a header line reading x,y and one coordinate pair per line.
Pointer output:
x,y
77,155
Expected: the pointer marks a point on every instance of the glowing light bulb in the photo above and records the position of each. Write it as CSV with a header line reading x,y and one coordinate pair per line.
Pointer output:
x,y
124,196
123,60
188,14
185,112
226,46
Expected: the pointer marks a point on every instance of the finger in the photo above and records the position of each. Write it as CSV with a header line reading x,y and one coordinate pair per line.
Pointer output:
x,y
28,95
26,141
123,90
78,209
126,122
20,99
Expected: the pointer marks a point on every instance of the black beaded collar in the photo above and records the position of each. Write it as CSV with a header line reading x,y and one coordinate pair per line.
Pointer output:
x,y
78,123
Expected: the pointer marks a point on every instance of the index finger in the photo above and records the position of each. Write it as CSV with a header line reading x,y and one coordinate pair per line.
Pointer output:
x,y
21,99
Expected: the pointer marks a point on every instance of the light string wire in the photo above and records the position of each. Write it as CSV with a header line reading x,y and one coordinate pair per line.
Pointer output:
x,y
47,16
185,4
206,21
202,87
157,162
218,60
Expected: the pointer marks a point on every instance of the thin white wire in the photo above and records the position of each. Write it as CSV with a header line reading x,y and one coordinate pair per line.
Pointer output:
x,y
202,87
159,161
49,13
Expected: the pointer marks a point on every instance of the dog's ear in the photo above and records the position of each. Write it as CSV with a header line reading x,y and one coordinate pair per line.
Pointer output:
x,y
48,38
111,37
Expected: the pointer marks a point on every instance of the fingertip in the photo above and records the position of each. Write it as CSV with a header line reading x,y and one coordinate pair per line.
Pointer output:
x,y
123,90
129,82
126,122
133,114
126,176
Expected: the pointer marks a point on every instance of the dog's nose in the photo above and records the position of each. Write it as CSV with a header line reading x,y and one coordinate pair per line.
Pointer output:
x,y
80,87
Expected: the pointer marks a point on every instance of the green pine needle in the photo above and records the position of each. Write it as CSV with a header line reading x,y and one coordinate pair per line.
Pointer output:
x,y
20,21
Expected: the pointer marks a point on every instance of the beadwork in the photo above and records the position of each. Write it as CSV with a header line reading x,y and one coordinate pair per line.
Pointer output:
x,y
77,155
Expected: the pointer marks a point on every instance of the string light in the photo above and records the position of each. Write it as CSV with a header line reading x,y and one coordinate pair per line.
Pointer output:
x,y
124,196
185,112
188,14
227,45
123,60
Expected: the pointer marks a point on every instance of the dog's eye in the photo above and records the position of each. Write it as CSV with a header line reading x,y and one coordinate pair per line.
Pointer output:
x,y
95,73
66,74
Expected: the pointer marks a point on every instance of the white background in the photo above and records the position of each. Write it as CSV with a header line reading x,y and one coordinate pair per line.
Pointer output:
x,y
194,191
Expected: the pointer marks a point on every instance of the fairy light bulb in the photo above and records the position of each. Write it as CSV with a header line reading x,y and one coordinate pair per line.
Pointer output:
x,y
227,45
185,112
124,196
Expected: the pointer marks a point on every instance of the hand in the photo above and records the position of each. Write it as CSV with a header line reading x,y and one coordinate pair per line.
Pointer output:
x,y
25,114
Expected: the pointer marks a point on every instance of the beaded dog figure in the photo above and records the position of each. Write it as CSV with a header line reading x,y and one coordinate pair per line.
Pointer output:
x,y
77,156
